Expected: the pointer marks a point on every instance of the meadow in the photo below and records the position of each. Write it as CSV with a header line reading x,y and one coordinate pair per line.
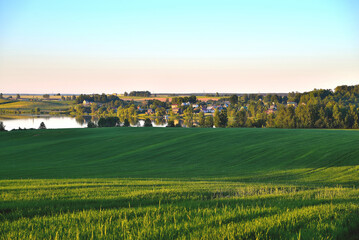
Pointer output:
x,y
178,183
46,105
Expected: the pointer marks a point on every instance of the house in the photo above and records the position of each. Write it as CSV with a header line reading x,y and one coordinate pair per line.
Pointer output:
x,y
210,109
219,108
86,103
195,105
176,110
272,109
150,111
174,106
294,104
185,104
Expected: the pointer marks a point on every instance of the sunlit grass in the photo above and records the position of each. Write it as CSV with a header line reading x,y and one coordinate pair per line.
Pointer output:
x,y
158,183
166,209
43,105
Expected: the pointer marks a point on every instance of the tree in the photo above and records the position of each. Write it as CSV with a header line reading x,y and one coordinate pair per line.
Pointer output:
x,y
126,123
93,108
192,99
42,125
241,118
220,118
108,122
148,123
160,111
80,109
1,96
188,116
18,96
170,123
125,94
233,99
216,119
338,117
201,117
208,123
91,124
46,96
2,127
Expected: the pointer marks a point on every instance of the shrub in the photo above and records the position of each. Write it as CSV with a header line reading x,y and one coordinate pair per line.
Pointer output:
x,y
42,125
108,122
91,124
170,123
2,126
148,122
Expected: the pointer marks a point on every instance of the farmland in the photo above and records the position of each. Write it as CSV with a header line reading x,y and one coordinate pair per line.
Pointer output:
x,y
28,105
155,183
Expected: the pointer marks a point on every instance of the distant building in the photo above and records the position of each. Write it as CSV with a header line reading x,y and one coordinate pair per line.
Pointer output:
x,y
176,110
209,109
86,103
185,104
294,104
150,111
272,109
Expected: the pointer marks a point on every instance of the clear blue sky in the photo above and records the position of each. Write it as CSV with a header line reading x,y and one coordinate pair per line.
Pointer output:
x,y
199,45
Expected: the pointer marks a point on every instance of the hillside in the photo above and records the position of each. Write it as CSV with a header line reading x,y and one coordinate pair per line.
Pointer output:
x,y
296,155
178,183
26,105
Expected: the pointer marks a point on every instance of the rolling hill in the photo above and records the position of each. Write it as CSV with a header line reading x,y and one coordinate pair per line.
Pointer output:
x,y
295,155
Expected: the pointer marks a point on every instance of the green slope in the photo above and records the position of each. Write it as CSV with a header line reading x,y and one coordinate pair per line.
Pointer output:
x,y
296,155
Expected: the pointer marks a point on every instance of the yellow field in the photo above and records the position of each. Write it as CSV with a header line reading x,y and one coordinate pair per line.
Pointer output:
x,y
31,105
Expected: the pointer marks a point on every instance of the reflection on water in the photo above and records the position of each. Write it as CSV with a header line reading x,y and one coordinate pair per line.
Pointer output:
x,y
50,122
53,122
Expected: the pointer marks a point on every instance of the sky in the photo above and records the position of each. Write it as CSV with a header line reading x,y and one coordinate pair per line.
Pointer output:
x,y
177,46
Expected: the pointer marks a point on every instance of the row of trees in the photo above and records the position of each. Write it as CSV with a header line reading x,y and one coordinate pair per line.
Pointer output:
x,y
114,122
179,100
140,93
103,98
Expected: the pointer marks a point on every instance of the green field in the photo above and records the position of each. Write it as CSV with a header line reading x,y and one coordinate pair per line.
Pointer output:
x,y
165,183
29,105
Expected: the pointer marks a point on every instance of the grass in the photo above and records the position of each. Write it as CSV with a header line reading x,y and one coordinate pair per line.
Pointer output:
x,y
29,105
164,183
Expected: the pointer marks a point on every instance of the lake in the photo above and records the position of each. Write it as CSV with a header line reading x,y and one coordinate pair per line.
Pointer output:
x,y
55,122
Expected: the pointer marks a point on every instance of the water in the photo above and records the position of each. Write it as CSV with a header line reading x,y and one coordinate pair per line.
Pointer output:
x,y
16,122
55,122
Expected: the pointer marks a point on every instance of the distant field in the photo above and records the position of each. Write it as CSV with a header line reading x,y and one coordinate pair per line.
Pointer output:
x,y
34,96
163,99
43,105
165,183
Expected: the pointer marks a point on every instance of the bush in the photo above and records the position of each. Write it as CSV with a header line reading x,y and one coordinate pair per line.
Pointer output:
x,y
126,123
108,122
170,123
2,126
148,122
42,125
91,124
